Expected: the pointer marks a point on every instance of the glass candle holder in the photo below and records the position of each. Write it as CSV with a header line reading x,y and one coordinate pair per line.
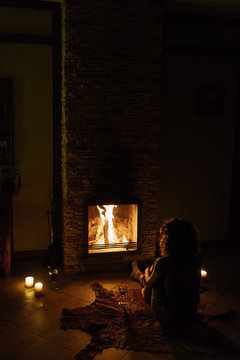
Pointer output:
x,y
38,288
29,281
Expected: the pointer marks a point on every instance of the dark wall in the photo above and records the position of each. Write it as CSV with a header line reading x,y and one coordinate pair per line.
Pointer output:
x,y
201,91
197,138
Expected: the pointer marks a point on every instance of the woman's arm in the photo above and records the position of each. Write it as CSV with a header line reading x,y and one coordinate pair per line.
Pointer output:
x,y
151,280
145,277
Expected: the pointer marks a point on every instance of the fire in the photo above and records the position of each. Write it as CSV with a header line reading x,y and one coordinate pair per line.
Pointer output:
x,y
106,215
112,228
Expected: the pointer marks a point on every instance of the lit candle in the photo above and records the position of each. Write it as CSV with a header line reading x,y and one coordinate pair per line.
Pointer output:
x,y
203,274
29,281
38,287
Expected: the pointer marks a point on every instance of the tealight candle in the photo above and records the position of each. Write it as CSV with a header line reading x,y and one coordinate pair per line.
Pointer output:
x,y
29,281
203,274
38,287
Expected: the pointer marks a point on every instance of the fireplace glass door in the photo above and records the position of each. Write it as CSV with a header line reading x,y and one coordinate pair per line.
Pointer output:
x,y
112,228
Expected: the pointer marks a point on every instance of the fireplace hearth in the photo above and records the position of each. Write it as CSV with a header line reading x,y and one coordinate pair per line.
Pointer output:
x,y
112,228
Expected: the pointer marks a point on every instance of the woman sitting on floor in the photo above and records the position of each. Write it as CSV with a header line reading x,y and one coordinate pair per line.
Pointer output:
x,y
172,283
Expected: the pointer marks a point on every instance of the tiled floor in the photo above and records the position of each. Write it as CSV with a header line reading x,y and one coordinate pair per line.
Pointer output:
x,y
30,326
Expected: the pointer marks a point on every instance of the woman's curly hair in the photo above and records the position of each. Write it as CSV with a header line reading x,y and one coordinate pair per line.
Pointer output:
x,y
177,237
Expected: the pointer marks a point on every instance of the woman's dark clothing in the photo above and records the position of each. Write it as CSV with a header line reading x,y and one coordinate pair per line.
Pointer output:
x,y
177,294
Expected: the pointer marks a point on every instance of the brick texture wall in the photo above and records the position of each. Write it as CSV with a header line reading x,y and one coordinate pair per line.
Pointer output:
x,y
112,76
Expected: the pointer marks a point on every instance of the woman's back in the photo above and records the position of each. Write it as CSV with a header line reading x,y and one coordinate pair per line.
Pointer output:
x,y
179,284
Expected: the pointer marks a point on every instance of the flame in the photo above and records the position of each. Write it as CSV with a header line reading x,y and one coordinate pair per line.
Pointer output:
x,y
106,215
112,227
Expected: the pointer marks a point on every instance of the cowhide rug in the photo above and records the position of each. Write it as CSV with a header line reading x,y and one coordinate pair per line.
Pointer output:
x,y
135,328
111,325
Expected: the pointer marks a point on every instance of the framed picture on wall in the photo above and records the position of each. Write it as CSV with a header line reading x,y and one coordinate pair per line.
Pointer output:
x,y
211,101
6,110
6,148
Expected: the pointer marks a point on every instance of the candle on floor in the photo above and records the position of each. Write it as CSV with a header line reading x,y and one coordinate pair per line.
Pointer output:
x,y
203,274
29,281
38,287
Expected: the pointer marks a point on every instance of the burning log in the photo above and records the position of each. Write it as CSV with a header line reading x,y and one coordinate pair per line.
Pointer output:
x,y
106,239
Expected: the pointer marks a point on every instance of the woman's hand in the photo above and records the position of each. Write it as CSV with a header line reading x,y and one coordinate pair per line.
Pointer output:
x,y
142,280
147,274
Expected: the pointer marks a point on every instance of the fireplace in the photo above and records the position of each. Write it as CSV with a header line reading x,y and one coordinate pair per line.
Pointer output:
x,y
111,133
112,228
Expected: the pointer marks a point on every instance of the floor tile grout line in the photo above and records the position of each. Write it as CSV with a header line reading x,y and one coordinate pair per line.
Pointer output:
x,y
16,324
75,297
53,342
124,354
41,337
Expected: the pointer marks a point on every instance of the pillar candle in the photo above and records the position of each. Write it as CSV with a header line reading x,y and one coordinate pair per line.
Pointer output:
x,y
38,287
29,281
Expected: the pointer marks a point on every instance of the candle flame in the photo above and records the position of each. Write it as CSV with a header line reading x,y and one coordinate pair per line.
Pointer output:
x,y
203,273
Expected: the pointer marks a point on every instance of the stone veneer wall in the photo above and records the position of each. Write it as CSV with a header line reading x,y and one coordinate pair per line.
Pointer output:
x,y
112,75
